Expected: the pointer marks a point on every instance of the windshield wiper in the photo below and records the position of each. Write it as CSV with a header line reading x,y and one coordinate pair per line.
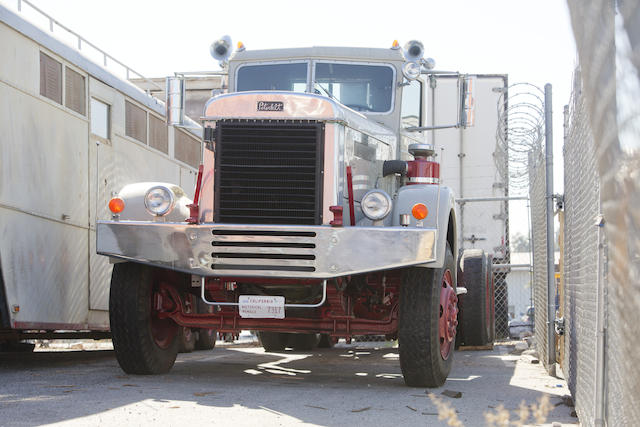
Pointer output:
x,y
329,94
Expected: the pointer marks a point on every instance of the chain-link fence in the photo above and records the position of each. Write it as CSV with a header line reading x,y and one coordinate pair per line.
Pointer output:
x,y
602,187
520,131
580,254
538,198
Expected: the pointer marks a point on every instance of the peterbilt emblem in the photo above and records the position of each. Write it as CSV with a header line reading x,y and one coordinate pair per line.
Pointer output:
x,y
270,106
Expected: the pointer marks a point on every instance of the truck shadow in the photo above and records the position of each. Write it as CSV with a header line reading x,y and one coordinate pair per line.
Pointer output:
x,y
327,387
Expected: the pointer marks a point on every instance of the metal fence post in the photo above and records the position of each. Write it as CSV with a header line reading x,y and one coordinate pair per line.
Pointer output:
x,y
551,294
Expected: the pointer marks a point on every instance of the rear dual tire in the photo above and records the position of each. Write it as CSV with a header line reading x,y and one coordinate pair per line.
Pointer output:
x,y
478,311
206,337
278,341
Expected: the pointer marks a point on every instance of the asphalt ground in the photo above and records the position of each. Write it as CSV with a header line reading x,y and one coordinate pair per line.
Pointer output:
x,y
238,385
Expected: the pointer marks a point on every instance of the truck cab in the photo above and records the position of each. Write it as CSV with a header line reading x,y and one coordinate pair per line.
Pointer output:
x,y
318,215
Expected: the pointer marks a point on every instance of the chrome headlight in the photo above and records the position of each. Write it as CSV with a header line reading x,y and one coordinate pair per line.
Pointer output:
x,y
159,200
411,70
376,205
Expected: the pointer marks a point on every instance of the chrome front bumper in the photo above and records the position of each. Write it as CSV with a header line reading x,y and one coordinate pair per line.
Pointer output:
x,y
234,250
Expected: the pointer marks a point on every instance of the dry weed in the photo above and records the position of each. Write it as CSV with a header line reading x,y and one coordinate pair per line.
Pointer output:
x,y
499,418
523,414
539,412
446,412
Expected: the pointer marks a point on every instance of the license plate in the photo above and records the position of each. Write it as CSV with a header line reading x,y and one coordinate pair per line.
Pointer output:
x,y
261,307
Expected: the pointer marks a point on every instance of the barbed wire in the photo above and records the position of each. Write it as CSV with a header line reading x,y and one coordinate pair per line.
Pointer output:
x,y
520,131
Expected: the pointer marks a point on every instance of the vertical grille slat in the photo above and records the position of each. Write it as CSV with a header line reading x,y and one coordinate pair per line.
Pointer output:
x,y
269,172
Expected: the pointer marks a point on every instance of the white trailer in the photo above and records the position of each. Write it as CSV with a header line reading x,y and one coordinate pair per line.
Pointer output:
x,y
72,134
468,160
473,165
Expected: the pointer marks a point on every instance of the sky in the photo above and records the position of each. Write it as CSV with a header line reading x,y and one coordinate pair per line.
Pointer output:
x,y
531,41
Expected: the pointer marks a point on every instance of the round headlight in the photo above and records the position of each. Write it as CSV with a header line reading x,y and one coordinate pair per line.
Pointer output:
x,y
411,70
159,200
376,205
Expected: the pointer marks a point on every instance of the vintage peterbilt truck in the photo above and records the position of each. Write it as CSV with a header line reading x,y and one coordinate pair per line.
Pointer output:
x,y
318,215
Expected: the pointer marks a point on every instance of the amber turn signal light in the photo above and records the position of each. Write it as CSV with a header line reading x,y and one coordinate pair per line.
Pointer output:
x,y
116,205
419,211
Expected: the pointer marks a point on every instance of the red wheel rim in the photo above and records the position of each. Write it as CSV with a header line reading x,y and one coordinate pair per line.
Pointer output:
x,y
163,330
448,315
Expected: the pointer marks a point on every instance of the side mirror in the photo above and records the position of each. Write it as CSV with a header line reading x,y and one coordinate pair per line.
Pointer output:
x,y
174,104
467,101
466,111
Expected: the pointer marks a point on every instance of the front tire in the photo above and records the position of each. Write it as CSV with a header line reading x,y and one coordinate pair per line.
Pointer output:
x,y
143,343
427,323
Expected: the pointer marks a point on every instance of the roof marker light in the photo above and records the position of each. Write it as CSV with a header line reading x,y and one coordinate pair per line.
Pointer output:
x,y
395,45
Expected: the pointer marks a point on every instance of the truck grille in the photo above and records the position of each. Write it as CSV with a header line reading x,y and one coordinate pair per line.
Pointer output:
x,y
269,172
265,251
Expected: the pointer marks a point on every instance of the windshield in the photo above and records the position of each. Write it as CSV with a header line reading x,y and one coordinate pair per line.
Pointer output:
x,y
362,87
367,88
291,77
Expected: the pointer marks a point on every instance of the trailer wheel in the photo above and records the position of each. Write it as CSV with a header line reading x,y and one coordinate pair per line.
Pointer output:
x,y
206,337
303,342
490,303
459,330
427,323
143,342
273,341
327,341
474,323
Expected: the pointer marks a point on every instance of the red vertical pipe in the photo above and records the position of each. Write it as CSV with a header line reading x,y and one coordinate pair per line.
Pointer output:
x,y
196,197
194,208
352,208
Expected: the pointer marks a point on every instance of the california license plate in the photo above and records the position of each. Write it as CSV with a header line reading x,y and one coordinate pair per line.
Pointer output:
x,y
261,307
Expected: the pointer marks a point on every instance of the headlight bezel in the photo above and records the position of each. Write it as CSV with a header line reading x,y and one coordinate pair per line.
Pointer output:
x,y
170,200
384,197
411,70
